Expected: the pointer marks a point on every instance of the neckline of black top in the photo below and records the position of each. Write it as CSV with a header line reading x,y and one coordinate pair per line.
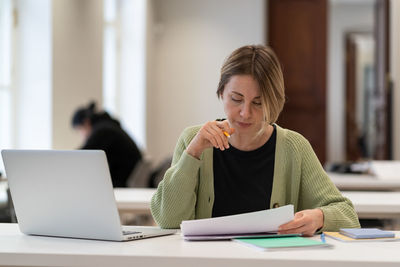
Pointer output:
x,y
254,153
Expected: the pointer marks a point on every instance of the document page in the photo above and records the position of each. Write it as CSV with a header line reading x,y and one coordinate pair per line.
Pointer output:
x,y
252,222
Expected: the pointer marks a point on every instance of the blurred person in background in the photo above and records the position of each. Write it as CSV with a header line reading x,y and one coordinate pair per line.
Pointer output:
x,y
99,130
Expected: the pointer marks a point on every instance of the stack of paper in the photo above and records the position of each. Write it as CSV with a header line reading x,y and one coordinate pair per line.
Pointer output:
x,y
258,223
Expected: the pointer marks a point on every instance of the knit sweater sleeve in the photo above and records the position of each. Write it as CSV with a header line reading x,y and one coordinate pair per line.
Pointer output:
x,y
176,195
318,191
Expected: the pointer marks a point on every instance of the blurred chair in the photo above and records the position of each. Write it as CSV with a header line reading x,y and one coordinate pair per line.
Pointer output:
x,y
7,212
159,172
140,176
11,211
145,175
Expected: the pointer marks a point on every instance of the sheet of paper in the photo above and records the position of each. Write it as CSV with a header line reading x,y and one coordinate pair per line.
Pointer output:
x,y
253,222
232,236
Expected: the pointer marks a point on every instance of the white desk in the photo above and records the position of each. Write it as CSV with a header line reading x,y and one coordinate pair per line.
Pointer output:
x,y
134,200
134,205
21,250
364,182
367,203
370,204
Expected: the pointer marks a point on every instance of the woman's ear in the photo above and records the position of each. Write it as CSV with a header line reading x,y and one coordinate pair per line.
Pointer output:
x,y
221,94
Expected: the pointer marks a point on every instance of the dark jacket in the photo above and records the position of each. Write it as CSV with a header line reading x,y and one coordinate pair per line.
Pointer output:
x,y
122,152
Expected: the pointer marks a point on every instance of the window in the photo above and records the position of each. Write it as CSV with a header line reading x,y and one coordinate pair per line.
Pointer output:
x,y
124,76
6,24
25,85
111,56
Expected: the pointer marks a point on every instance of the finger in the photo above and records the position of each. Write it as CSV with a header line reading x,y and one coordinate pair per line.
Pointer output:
x,y
208,137
299,214
226,130
303,222
290,226
221,137
300,230
297,222
216,137
308,233
225,126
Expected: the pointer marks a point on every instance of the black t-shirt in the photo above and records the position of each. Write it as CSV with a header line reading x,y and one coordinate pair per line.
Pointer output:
x,y
243,179
121,151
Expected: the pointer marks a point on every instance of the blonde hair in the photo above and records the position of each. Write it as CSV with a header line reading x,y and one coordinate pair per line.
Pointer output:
x,y
262,64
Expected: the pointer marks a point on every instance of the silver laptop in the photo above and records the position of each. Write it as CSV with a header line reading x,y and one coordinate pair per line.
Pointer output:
x,y
67,194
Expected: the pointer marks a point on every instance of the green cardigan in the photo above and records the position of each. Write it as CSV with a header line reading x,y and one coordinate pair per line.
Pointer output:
x,y
187,190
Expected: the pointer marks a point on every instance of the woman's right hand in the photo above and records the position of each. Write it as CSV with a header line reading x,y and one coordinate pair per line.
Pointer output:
x,y
210,134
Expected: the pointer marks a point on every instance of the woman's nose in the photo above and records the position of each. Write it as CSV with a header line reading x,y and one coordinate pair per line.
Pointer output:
x,y
245,112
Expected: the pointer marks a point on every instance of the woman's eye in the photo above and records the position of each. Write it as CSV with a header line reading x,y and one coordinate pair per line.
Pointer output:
x,y
257,103
236,99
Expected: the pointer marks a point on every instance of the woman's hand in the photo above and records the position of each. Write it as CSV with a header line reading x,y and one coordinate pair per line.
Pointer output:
x,y
305,222
210,135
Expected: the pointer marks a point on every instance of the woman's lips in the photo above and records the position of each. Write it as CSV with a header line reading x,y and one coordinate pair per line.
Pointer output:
x,y
244,124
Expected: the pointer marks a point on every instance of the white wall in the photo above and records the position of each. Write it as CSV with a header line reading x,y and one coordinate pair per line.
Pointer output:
x,y
189,40
186,44
77,63
395,67
343,17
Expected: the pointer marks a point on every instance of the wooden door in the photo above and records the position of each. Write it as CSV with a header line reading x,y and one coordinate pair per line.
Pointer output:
x,y
297,31
383,90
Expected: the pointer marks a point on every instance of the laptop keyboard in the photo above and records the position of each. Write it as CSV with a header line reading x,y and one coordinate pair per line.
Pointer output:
x,y
130,232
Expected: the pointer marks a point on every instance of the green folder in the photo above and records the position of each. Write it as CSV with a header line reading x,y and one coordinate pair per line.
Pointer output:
x,y
282,243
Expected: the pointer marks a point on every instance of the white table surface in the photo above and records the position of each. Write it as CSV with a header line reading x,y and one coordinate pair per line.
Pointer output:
x,y
368,204
22,250
371,204
364,182
136,200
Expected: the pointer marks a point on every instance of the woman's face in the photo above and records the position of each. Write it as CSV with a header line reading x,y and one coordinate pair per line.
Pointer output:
x,y
84,130
242,104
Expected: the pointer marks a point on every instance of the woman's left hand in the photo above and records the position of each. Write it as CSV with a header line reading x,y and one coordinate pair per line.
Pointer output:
x,y
305,222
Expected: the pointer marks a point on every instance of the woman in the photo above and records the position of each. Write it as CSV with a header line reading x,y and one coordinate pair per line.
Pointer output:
x,y
99,131
247,162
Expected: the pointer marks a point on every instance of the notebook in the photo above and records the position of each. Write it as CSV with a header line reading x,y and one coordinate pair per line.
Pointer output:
x,y
360,233
279,243
343,238
67,194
